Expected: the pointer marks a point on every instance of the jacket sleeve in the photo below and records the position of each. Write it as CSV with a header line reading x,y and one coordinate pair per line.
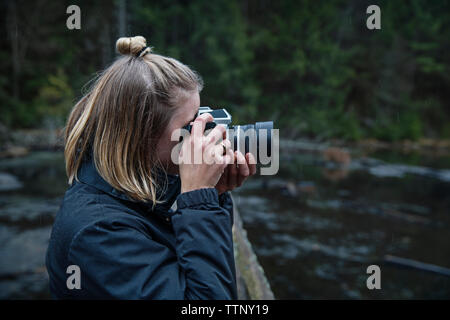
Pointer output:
x,y
226,202
120,260
205,245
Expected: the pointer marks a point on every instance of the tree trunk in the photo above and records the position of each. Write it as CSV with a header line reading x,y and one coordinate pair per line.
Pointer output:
x,y
13,33
122,17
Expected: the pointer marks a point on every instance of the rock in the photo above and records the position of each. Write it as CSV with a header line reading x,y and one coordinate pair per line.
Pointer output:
x,y
4,133
14,152
9,182
291,189
39,138
28,211
22,251
386,171
308,187
337,155
22,267
335,174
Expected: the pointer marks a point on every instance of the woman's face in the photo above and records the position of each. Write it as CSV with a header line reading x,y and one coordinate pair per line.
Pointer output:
x,y
185,113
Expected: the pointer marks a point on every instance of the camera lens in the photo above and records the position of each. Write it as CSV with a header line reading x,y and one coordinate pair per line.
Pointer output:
x,y
254,138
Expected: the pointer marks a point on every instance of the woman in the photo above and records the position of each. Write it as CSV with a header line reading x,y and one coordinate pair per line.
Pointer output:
x,y
133,224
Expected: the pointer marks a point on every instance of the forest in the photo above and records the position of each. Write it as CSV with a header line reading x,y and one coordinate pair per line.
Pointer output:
x,y
313,67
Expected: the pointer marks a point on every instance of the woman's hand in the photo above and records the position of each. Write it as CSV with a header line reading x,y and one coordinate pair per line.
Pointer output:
x,y
234,177
202,161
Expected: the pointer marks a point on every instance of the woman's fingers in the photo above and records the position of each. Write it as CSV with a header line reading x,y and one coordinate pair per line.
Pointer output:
x,y
229,168
251,163
244,170
215,153
232,174
238,171
222,184
216,134
198,129
228,156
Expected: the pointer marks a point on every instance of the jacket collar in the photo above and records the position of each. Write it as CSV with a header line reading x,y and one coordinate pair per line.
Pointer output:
x,y
170,187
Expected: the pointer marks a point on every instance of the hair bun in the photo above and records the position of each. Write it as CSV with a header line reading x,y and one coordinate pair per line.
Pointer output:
x,y
131,45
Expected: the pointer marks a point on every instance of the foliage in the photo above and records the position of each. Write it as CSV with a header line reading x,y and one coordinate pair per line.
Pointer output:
x,y
312,66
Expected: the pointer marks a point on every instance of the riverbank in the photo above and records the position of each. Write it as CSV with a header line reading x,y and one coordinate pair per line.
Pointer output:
x,y
436,147
19,142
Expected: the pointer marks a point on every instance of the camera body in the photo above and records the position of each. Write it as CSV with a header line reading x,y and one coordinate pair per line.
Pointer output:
x,y
221,116
245,138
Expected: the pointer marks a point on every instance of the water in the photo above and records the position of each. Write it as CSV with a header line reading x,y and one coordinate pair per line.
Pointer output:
x,y
315,227
26,216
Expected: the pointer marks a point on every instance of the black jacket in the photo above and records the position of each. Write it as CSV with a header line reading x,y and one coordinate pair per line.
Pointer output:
x,y
127,250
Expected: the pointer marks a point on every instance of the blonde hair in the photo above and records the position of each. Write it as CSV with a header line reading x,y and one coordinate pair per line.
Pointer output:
x,y
123,116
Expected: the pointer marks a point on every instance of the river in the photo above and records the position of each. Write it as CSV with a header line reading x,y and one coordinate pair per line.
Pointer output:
x,y
315,227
